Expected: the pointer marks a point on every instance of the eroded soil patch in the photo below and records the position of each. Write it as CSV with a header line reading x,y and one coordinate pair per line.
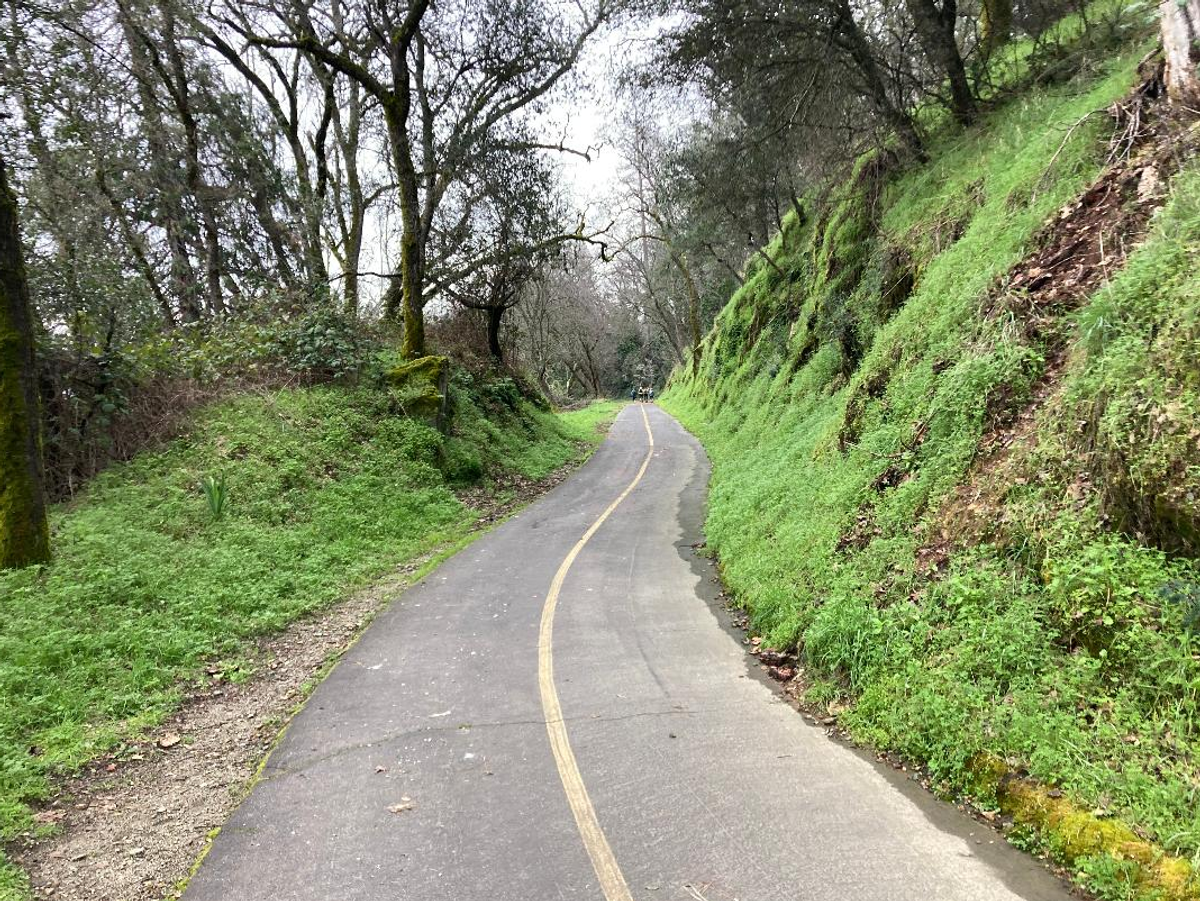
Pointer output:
x,y
1086,244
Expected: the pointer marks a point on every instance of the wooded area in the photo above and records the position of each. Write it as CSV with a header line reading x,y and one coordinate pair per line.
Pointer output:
x,y
211,195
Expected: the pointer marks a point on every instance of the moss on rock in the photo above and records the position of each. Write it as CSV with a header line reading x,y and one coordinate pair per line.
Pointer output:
x,y
1074,834
424,382
421,371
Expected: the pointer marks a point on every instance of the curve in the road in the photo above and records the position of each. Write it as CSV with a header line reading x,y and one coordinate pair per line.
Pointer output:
x,y
419,770
604,862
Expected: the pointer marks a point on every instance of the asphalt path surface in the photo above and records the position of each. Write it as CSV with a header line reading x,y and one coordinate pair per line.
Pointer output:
x,y
561,711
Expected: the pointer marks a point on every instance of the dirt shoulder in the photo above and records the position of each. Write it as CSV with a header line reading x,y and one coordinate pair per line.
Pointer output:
x,y
133,824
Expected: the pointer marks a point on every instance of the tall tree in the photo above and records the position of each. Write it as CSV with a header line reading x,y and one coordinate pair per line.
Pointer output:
x,y
795,72
352,199
170,214
175,76
653,206
935,24
511,229
449,82
287,113
24,535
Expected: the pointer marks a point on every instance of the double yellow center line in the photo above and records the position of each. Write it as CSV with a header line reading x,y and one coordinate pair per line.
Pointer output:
x,y
608,873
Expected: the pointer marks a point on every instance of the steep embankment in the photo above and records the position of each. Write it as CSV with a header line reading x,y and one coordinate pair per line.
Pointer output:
x,y
953,420
156,591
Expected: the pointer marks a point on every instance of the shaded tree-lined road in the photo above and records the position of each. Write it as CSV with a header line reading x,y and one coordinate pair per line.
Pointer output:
x,y
422,769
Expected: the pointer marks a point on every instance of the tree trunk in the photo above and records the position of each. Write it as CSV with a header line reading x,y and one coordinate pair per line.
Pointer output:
x,y
935,30
855,43
24,535
494,317
353,257
693,307
180,92
995,25
411,291
260,201
406,294
348,136
593,374
1181,44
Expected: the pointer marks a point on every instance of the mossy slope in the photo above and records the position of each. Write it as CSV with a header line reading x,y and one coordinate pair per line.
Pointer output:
x,y
844,398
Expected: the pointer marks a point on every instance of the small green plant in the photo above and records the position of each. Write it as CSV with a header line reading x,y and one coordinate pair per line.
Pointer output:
x,y
1108,878
216,492
461,462
1185,595
322,344
1024,838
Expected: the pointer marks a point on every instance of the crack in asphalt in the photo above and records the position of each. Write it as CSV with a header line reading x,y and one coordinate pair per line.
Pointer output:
x,y
271,773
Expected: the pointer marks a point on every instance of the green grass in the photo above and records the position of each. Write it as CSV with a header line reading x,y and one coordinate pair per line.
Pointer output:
x,y
327,488
587,422
838,421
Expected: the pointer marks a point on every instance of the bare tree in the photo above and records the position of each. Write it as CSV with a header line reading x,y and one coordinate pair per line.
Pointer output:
x,y
650,208
447,82
569,333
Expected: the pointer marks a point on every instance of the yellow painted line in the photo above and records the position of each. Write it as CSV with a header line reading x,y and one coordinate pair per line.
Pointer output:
x,y
608,873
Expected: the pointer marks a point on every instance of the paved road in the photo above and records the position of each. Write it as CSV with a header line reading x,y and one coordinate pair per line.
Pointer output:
x,y
423,768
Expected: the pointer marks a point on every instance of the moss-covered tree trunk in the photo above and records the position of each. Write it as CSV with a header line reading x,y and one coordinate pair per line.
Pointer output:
x,y
1181,44
24,536
995,25
406,294
413,288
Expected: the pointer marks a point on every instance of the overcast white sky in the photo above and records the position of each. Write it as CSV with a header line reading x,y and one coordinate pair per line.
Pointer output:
x,y
583,115
589,117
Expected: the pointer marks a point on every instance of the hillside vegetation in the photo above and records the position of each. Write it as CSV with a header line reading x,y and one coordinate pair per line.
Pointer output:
x,y
326,488
957,469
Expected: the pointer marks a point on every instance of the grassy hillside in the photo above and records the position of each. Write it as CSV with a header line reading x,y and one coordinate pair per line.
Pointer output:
x,y
956,466
327,487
